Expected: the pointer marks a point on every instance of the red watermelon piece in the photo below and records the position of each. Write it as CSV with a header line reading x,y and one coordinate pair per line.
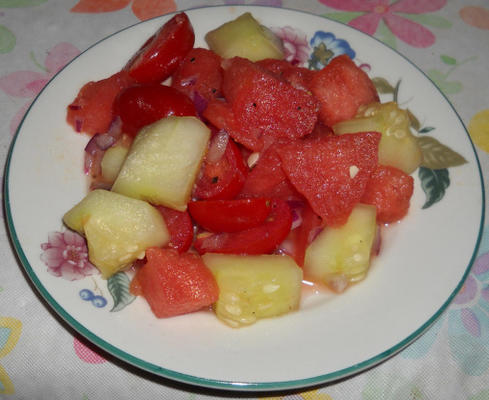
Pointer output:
x,y
331,171
341,87
299,77
263,106
175,284
92,110
199,75
390,190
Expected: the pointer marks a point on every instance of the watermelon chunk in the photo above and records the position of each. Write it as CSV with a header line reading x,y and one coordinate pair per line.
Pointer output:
x,y
331,171
175,284
299,77
341,87
199,75
390,190
262,106
91,112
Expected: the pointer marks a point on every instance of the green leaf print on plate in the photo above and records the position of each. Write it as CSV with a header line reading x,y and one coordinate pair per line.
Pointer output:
x,y
434,183
438,156
118,286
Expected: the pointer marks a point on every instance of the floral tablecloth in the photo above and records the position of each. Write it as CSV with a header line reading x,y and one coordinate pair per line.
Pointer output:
x,y
42,358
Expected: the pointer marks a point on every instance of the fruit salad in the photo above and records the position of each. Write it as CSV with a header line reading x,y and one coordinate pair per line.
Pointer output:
x,y
226,176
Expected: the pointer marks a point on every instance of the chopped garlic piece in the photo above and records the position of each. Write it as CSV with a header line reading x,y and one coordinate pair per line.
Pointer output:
x,y
253,159
353,171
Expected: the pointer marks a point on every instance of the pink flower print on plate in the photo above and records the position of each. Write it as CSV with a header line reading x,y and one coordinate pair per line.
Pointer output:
x,y
66,256
295,44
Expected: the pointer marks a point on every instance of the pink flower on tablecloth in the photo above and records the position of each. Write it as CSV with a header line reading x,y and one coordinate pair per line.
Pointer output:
x,y
376,11
66,256
475,16
86,354
143,9
295,43
27,84
473,297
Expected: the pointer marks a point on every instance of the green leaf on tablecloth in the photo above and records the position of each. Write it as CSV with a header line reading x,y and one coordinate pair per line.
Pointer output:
x,y
390,386
7,40
448,60
118,286
432,20
386,35
438,156
484,395
470,352
440,80
434,183
20,3
343,17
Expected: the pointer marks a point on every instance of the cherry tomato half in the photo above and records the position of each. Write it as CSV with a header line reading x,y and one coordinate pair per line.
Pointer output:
x,y
224,178
160,56
262,239
229,215
142,105
180,227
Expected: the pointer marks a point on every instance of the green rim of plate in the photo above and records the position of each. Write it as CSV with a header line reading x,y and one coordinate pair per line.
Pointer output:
x,y
214,383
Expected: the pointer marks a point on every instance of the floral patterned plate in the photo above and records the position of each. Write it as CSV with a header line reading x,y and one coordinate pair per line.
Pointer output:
x,y
422,265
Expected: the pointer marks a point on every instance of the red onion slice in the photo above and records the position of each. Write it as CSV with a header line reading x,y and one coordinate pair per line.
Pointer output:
x,y
217,147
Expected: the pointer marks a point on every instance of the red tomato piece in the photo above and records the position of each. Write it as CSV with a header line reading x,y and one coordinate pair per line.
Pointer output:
x,y
199,75
331,171
160,56
221,179
341,87
180,226
91,111
142,105
174,283
229,215
390,190
267,179
262,239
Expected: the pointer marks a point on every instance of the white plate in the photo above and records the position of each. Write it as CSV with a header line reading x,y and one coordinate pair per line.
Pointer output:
x,y
423,263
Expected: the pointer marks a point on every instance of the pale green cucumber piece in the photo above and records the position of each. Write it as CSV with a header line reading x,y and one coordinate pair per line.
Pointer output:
x,y
341,255
398,147
112,162
163,162
245,37
118,229
254,286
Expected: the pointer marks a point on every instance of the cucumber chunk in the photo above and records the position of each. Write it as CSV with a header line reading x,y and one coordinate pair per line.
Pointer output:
x,y
340,256
118,229
163,162
254,287
245,37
